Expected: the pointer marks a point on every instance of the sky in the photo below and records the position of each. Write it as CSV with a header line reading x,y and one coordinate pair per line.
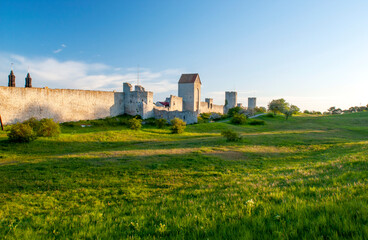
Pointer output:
x,y
312,53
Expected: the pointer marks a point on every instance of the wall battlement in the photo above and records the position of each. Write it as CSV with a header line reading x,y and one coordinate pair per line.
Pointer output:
x,y
19,104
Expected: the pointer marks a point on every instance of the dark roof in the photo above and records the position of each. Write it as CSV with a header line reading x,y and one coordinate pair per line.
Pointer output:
x,y
166,104
189,78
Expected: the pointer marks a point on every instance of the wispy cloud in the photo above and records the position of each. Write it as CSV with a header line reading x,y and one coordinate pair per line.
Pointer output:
x,y
60,49
53,73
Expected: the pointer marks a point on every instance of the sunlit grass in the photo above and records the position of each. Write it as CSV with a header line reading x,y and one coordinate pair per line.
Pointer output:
x,y
305,178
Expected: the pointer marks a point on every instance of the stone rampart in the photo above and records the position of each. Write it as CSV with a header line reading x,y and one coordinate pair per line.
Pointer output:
x,y
208,107
187,116
18,104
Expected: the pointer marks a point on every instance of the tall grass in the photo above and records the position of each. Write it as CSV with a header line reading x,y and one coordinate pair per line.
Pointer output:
x,y
305,178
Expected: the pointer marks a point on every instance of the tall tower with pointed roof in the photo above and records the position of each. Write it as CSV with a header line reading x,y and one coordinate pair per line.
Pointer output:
x,y
11,82
190,91
28,81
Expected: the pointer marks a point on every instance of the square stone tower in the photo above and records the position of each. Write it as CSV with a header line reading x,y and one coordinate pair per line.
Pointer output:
x,y
231,99
252,103
190,91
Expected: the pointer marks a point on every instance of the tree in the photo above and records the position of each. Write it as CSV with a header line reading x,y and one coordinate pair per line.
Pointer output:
x,y
289,111
331,109
277,105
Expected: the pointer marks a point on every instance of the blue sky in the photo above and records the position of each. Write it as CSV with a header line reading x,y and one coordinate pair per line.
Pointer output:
x,y
312,53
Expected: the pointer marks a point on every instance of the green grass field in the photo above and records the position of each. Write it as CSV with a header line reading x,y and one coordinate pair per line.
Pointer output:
x,y
305,178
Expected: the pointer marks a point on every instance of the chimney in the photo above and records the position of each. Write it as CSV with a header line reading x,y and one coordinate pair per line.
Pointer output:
x,y
28,81
11,82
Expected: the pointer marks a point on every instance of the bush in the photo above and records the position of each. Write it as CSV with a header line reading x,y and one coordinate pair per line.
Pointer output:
x,y
161,123
238,119
21,132
135,123
177,125
216,116
231,136
270,115
47,128
257,122
33,123
233,111
149,121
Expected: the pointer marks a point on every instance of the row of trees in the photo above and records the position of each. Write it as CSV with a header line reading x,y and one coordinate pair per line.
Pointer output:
x,y
334,110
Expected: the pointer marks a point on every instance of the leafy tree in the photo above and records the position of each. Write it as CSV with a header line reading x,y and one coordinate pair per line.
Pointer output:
x,y
331,110
278,105
290,110
260,109
177,125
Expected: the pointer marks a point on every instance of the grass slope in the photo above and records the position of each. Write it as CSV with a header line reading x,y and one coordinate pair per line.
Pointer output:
x,y
305,178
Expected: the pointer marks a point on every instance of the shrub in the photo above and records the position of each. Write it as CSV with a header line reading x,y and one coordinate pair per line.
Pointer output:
x,y
216,116
238,119
149,121
233,111
231,136
161,123
33,123
135,123
21,132
47,128
257,122
177,125
270,115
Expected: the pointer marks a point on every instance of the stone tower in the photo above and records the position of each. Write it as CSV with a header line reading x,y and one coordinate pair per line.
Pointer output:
x,y
28,81
190,91
231,99
252,103
11,82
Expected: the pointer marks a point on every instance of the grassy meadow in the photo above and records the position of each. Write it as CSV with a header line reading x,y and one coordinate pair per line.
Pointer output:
x,y
305,178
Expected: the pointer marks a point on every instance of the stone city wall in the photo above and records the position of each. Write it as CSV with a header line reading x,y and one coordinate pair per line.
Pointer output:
x,y
187,116
19,104
211,108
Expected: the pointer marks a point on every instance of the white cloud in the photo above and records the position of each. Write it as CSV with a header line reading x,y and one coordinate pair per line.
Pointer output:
x,y
60,49
57,50
53,73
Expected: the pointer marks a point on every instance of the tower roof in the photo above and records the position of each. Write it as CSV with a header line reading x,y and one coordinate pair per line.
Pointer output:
x,y
189,78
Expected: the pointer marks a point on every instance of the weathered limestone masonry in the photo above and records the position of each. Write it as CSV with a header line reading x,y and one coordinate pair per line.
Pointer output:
x,y
252,103
209,107
138,102
190,91
231,99
19,104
